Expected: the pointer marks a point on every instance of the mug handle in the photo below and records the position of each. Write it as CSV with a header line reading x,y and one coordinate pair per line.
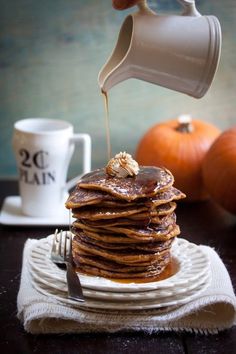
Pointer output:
x,y
189,8
86,140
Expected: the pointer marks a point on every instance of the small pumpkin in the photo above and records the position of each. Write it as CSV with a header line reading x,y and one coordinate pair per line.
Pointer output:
x,y
219,170
179,145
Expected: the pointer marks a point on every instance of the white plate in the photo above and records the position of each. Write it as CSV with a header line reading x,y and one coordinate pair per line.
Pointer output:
x,y
192,261
60,287
110,304
11,214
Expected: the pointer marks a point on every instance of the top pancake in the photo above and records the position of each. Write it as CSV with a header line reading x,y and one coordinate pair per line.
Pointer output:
x,y
148,182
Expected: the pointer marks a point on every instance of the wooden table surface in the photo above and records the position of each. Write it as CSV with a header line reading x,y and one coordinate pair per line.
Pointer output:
x,y
202,223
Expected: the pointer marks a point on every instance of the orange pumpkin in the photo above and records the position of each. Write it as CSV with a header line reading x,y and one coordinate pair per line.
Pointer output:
x,y
219,170
179,145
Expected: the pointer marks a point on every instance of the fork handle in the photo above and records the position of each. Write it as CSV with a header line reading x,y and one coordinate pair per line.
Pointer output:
x,y
74,287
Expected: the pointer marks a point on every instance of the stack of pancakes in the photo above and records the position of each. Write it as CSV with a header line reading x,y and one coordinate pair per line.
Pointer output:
x,y
124,227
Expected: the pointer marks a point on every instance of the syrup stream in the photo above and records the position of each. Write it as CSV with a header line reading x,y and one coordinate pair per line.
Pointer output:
x,y
107,124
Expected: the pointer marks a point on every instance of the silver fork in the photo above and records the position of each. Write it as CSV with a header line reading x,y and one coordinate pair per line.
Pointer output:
x,y
62,253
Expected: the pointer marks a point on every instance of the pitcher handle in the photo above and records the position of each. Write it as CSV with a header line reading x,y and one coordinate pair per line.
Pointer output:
x,y
143,7
189,8
188,5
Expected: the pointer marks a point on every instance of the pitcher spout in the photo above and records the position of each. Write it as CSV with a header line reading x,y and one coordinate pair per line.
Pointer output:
x,y
116,69
117,75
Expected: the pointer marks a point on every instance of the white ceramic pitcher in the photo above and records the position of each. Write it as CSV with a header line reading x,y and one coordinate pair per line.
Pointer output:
x,y
179,52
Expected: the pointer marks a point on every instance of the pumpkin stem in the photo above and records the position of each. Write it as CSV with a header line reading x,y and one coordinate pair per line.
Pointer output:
x,y
185,124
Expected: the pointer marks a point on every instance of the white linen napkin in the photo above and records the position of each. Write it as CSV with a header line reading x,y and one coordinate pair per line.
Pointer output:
x,y
214,310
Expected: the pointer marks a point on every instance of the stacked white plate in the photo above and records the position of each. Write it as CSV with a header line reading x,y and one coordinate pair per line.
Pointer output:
x,y
192,277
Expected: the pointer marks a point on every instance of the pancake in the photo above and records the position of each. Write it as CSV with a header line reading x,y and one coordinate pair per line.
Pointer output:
x,y
134,212
99,267
149,246
151,233
144,276
165,222
166,196
148,182
127,256
109,238
107,213
111,266
161,210
119,221
83,197
139,221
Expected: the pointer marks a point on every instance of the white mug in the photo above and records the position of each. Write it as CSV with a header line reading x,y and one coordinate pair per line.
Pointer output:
x,y
179,52
43,149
